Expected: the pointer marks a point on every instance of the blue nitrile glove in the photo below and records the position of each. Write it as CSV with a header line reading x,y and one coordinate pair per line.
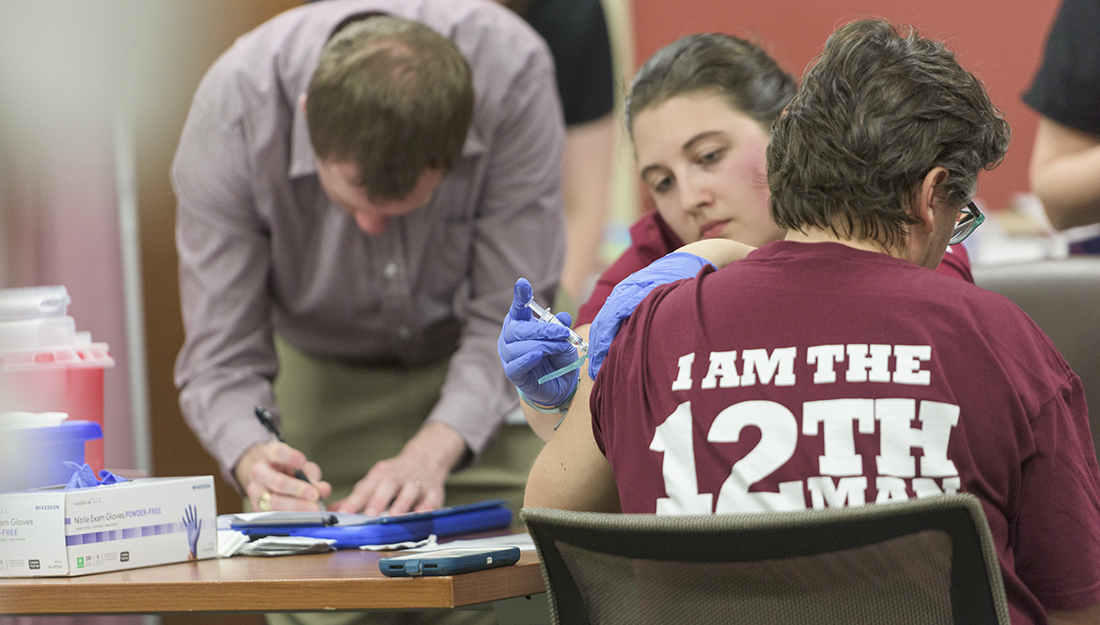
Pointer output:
x,y
628,294
193,524
530,349
84,477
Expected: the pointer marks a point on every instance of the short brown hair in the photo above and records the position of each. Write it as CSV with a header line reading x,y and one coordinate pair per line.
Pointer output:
x,y
394,96
740,72
877,110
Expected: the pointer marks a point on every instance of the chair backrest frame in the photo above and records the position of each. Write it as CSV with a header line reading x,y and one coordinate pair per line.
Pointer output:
x,y
977,588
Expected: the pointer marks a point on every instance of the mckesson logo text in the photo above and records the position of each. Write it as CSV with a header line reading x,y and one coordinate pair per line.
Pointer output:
x,y
199,486
49,507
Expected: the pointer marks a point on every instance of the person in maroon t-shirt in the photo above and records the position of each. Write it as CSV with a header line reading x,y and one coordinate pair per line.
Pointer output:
x,y
699,113
831,368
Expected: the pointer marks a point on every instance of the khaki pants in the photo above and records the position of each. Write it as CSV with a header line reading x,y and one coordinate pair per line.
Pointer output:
x,y
347,416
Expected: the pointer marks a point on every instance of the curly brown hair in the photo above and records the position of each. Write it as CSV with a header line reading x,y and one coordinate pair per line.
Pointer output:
x,y
877,110
394,96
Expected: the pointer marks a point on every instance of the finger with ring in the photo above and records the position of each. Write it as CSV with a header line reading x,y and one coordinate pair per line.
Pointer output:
x,y
264,503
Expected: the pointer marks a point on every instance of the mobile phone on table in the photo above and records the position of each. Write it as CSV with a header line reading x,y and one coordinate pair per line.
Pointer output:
x,y
448,561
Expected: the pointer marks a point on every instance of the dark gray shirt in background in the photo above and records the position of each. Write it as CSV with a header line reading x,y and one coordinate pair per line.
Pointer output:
x,y
262,249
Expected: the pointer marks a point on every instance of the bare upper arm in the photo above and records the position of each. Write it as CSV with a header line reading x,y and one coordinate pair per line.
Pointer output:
x,y
720,252
572,473
1064,162
1054,140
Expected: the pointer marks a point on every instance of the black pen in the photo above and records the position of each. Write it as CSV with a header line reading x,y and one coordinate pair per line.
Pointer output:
x,y
264,415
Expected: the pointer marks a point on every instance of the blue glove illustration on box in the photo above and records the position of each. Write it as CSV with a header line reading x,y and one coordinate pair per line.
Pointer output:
x,y
531,350
193,524
628,294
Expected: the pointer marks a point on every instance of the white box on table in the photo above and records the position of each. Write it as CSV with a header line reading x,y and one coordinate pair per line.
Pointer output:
x,y
51,532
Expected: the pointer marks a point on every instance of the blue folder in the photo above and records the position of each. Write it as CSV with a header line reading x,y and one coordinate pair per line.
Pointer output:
x,y
414,526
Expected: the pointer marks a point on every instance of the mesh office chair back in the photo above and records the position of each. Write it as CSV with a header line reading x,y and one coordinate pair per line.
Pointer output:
x,y
922,561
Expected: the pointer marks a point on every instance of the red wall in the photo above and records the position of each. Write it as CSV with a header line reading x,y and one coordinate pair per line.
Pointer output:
x,y
1001,42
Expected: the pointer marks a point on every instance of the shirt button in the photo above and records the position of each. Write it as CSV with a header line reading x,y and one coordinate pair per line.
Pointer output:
x,y
390,270
403,332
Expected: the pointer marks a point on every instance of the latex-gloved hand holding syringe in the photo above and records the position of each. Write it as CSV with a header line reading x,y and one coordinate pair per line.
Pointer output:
x,y
532,352
540,354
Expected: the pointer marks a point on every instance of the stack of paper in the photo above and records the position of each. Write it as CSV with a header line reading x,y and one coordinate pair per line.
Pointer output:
x,y
522,540
430,541
286,546
230,542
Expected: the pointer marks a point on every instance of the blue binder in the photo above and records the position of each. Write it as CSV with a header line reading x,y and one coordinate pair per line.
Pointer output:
x,y
414,526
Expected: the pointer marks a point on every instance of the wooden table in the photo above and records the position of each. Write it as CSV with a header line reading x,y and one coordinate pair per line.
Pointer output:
x,y
342,580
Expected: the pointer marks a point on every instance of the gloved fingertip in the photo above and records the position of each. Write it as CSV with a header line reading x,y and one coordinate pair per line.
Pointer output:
x,y
594,367
521,294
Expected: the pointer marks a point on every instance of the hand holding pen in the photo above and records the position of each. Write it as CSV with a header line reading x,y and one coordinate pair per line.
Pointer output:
x,y
274,469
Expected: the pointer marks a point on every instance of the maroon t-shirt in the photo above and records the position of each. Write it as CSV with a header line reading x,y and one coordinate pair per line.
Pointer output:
x,y
652,238
956,263
815,374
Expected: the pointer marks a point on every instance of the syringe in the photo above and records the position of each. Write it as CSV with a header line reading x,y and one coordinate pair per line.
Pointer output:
x,y
544,314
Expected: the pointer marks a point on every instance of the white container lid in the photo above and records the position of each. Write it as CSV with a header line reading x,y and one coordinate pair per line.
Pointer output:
x,y
33,302
35,333
23,420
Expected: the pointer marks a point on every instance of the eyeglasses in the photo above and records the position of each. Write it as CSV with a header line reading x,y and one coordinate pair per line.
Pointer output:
x,y
969,219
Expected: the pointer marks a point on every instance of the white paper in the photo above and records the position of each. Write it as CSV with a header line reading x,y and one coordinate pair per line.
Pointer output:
x,y
286,546
522,540
230,542
427,543
285,517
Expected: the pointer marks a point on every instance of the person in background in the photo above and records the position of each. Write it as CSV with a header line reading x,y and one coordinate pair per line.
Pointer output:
x,y
577,34
1065,161
699,113
846,370
359,185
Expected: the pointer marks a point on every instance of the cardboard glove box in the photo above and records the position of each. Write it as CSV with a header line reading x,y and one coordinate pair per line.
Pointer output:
x,y
51,532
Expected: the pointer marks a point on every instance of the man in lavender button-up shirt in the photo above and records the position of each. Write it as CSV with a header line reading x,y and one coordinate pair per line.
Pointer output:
x,y
332,196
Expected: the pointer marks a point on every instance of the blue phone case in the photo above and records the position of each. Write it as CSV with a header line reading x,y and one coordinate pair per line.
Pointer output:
x,y
448,561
